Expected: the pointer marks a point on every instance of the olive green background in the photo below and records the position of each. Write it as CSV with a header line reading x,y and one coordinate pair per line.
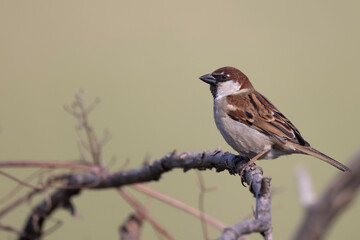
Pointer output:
x,y
143,59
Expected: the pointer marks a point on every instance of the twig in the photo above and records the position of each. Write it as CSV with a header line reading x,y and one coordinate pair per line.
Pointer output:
x,y
17,202
180,205
20,181
48,164
203,190
94,145
17,188
10,229
142,211
201,206
131,228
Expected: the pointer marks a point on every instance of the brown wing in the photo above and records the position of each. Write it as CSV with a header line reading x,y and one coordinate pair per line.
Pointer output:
x,y
256,111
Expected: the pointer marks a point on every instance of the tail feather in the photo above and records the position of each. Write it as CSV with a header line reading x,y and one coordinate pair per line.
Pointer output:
x,y
315,153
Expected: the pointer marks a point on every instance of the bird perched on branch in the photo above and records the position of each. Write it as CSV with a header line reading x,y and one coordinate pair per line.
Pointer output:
x,y
251,124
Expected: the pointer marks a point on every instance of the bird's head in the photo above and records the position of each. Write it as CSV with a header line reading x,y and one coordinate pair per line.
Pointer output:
x,y
226,81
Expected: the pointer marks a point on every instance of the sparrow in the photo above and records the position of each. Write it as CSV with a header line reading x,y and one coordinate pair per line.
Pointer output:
x,y
251,124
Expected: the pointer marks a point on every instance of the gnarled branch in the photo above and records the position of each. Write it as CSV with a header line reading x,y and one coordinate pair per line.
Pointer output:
x,y
152,172
260,187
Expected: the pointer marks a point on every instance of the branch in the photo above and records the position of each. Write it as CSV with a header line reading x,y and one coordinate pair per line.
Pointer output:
x,y
180,205
131,228
9,229
18,201
260,187
143,214
34,224
184,160
152,172
203,190
81,113
23,183
48,164
338,196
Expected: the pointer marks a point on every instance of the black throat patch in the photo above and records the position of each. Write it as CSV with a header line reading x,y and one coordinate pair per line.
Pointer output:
x,y
213,90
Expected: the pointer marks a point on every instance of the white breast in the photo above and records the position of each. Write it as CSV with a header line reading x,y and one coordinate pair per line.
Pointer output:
x,y
242,138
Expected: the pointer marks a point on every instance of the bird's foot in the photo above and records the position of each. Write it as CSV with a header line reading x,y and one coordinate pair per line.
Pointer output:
x,y
243,168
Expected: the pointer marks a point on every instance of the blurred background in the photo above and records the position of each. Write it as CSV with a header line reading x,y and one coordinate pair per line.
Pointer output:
x,y
143,60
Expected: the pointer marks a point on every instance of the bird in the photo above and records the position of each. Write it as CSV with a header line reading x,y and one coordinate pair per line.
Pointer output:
x,y
251,124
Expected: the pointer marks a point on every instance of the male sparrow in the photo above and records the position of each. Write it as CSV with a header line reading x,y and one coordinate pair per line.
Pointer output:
x,y
251,124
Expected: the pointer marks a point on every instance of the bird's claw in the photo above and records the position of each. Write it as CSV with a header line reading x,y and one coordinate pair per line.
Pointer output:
x,y
242,175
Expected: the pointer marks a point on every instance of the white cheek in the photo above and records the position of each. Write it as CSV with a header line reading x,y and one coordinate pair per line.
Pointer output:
x,y
227,88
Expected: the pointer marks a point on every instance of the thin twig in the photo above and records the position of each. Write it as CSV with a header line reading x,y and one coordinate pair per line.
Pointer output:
x,y
17,188
48,164
180,205
10,229
131,228
20,181
18,201
139,208
203,190
95,147
201,206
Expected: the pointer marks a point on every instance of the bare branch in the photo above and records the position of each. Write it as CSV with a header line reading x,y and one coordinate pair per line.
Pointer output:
x,y
201,204
131,228
94,145
33,227
81,112
48,164
143,212
185,160
151,172
18,201
260,187
92,106
337,197
105,138
180,205
10,229
16,189
19,181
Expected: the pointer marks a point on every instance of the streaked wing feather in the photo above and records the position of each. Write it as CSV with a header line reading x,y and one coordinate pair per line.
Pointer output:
x,y
256,111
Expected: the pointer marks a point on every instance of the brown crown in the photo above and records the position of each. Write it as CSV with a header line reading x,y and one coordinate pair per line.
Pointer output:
x,y
235,75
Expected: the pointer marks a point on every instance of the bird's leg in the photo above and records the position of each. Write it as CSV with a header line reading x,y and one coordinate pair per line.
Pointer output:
x,y
251,161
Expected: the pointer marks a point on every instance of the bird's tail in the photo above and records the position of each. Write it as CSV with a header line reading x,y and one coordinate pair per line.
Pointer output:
x,y
315,153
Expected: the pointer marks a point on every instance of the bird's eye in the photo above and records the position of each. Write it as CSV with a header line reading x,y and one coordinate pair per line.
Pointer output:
x,y
224,76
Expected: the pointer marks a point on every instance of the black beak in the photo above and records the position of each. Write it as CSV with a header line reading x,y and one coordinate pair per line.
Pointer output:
x,y
208,78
